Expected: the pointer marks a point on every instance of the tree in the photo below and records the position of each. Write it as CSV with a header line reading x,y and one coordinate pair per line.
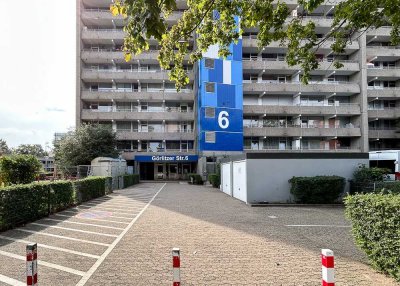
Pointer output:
x,y
214,23
31,149
81,146
19,169
4,150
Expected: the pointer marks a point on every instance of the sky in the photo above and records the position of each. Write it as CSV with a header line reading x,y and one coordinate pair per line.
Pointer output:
x,y
37,80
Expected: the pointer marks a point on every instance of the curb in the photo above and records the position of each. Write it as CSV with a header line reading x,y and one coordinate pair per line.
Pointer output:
x,y
299,205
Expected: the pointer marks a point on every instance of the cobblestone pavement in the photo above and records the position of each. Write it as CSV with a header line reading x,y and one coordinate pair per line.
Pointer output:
x,y
225,242
122,239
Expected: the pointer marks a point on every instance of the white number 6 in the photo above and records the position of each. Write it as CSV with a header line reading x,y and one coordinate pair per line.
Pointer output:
x,y
223,120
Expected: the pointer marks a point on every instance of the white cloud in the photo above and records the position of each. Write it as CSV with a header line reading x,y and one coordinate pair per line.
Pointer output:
x,y
37,79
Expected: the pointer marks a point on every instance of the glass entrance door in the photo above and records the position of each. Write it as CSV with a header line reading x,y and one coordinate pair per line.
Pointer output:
x,y
159,173
173,172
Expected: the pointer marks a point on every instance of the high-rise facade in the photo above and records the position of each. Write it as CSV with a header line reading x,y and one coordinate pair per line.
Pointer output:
x,y
250,102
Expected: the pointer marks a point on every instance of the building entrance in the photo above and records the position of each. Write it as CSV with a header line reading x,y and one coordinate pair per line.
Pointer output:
x,y
166,171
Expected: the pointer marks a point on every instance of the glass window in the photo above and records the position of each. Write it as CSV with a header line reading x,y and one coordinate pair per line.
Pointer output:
x,y
209,63
210,112
210,86
210,137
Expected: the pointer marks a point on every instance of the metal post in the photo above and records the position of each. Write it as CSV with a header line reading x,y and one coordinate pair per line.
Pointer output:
x,y
328,267
176,264
31,264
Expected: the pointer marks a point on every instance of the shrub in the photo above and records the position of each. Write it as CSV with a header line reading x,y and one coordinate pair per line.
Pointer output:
x,y
62,195
19,169
23,203
91,187
364,174
375,222
375,187
195,179
317,190
130,180
215,180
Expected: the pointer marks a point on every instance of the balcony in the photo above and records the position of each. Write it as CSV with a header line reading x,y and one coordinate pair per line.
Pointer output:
x,y
390,133
135,135
342,109
389,93
387,113
248,149
96,56
328,87
390,72
281,66
172,115
126,76
382,31
296,131
147,95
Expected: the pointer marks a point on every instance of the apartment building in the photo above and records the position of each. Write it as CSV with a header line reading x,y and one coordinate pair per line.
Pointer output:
x,y
250,102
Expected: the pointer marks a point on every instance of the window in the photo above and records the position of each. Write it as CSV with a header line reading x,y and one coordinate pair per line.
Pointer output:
x,y
210,137
210,86
210,112
209,63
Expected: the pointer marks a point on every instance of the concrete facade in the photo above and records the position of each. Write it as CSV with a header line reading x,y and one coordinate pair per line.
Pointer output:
x,y
350,110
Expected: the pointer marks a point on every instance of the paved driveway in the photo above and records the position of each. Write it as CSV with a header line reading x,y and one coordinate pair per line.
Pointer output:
x,y
222,242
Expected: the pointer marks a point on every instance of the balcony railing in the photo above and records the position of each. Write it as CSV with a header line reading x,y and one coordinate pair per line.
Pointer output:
x,y
261,125
140,69
159,150
190,131
143,89
271,148
283,59
161,109
297,82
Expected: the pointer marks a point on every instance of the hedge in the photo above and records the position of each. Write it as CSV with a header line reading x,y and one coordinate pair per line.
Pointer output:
x,y
375,222
215,180
130,180
24,203
318,189
195,178
91,188
375,187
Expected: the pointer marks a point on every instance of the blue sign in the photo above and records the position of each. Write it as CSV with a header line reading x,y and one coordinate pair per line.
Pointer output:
x,y
167,158
220,100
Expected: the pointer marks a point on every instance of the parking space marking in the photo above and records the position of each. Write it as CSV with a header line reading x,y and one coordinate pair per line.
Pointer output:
x,y
113,216
44,263
102,209
73,229
11,281
51,247
95,219
317,225
272,216
63,237
112,207
82,223
89,273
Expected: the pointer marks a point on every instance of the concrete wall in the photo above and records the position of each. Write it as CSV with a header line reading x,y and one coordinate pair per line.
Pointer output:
x,y
268,178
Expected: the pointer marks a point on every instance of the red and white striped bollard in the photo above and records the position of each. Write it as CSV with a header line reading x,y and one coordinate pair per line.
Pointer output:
x,y
328,267
176,265
31,264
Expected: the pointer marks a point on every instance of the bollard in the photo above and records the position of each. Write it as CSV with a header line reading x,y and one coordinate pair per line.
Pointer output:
x,y
31,264
328,268
176,264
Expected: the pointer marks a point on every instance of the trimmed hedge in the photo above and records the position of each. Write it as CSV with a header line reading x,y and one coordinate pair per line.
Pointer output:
x,y
375,187
91,188
375,222
130,180
318,189
196,179
215,180
24,203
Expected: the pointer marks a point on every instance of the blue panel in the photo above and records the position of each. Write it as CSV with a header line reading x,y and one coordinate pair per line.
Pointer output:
x,y
226,95
215,74
234,119
224,141
167,158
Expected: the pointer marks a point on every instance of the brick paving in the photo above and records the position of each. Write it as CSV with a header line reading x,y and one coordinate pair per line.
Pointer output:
x,y
225,242
222,242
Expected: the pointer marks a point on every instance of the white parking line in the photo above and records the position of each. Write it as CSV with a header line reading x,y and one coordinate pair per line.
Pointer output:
x,y
82,223
11,281
112,216
51,247
111,207
316,225
73,229
44,263
63,237
95,219
89,273
102,209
